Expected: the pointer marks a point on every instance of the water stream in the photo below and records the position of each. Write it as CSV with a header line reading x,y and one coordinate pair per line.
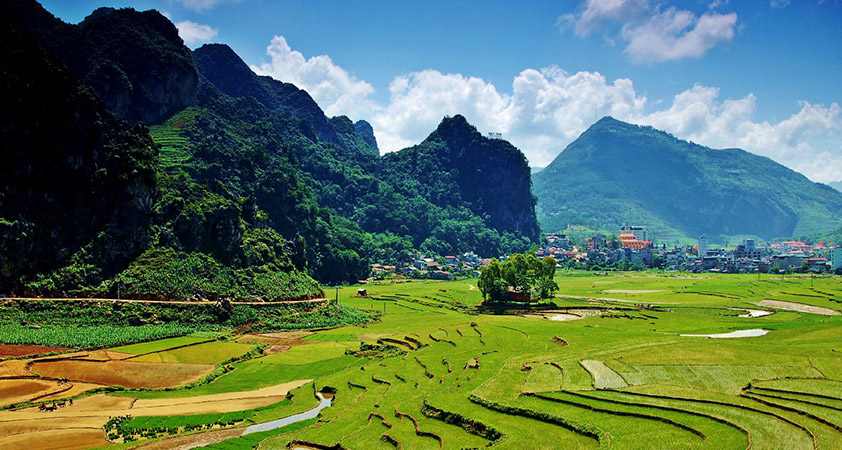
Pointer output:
x,y
324,402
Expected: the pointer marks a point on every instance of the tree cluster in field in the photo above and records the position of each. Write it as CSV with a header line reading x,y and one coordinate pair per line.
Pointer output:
x,y
521,273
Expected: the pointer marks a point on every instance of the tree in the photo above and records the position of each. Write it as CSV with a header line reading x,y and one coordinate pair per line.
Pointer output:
x,y
516,272
547,287
491,282
521,273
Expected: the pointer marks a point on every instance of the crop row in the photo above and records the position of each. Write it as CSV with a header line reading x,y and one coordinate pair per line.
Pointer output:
x,y
88,337
618,413
578,428
472,426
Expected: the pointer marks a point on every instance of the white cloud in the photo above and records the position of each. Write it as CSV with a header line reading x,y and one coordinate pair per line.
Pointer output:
x,y
202,5
674,35
594,13
195,33
653,35
779,3
547,109
331,86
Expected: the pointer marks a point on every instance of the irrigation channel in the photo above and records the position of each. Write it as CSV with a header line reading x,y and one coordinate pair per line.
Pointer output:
x,y
324,402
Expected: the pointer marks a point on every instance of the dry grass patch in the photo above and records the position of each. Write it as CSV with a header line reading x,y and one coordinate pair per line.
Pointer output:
x,y
63,439
18,391
124,373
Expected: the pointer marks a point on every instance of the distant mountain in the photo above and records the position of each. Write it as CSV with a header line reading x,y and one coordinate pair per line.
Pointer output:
x,y
135,61
836,185
616,173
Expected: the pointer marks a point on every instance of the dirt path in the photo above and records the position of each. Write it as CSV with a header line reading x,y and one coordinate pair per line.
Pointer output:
x,y
114,300
607,299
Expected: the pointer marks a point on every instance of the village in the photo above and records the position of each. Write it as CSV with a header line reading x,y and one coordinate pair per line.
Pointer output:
x,y
632,249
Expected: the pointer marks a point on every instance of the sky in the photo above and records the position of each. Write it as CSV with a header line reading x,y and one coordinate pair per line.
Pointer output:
x,y
762,75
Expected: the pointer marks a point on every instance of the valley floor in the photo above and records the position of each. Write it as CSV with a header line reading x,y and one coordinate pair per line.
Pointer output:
x,y
625,361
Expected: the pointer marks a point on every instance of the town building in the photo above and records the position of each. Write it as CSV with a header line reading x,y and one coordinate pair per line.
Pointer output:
x,y
640,233
703,245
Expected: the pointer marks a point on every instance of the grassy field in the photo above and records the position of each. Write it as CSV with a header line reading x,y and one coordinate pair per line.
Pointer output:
x,y
434,373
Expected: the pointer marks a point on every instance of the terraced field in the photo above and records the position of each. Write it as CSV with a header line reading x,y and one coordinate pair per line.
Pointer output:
x,y
436,371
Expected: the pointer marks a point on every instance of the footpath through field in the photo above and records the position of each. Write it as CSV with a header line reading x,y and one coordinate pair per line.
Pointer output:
x,y
171,302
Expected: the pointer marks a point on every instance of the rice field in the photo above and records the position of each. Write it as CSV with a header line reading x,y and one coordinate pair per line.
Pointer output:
x,y
436,372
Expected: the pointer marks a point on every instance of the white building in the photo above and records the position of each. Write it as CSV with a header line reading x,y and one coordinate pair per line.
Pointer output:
x,y
639,232
834,257
703,245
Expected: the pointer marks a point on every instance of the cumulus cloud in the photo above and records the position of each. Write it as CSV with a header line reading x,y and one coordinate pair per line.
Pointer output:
x,y
653,35
202,5
779,3
195,33
674,35
545,109
331,86
594,13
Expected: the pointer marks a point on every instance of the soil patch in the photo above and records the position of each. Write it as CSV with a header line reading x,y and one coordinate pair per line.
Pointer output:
x,y
798,307
14,368
7,351
64,439
124,373
17,391
80,425
192,440
75,389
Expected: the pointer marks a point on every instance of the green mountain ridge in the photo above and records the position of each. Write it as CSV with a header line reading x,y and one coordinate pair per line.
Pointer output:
x,y
241,188
135,61
617,174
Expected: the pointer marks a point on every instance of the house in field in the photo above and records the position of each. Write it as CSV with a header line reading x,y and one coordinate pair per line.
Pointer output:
x,y
513,295
440,275
818,265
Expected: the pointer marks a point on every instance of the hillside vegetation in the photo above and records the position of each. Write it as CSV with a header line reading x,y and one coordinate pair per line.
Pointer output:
x,y
241,187
616,173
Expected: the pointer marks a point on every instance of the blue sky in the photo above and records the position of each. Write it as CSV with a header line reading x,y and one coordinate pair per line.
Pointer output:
x,y
760,75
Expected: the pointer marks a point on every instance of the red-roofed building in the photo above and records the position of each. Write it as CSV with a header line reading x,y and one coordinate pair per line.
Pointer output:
x,y
628,240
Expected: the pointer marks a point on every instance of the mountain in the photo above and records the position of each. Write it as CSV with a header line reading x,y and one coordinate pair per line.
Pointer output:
x,y
135,61
455,165
401,210
366,132
616,173
87,203
836,185
239,185
73,179
232,76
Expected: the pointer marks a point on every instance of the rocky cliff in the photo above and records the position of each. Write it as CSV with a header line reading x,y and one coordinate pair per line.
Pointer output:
x,y
135,61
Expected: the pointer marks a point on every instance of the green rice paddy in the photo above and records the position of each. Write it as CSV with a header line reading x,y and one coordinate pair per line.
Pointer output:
x,y
436,373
